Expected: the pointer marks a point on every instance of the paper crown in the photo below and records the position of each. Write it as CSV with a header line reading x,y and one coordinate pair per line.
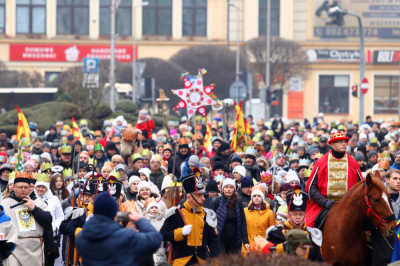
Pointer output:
x,y
148,201
385,154
116,140
91,161
373,140
67,172
21,175
83,122
109,164
251,151
183,141
178,184
258,187
66,149
128,206
32,175
167,147
46,166
197,136
136,156
294,157
250,142
301,144
90,143
3,158
114,175
164,164
11,176
146,152
307,172
98,133
98,147
318,155
12,160
338,135
219,178
26,142
304,162
43,177
270,133
393,148
384,165
266,177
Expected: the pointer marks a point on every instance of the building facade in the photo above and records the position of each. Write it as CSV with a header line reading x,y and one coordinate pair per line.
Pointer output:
x,y
49,36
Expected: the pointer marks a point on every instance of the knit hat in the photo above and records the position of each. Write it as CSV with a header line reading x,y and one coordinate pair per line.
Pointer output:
x,y
282,173
133,179
146,172
152,204
224,146
218,165
194,160
237,159
166,182
143,184
258,192
228,181
211,186
363,136
30,163
292,176
372,153
47,156
240,170
105,205
39,139
359,156
247,181
397,153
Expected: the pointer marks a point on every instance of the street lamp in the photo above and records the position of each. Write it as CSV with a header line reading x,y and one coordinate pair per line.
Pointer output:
x,y
237,41
338,11
134,49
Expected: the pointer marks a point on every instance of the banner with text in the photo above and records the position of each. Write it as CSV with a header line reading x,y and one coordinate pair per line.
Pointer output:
x,y
67,53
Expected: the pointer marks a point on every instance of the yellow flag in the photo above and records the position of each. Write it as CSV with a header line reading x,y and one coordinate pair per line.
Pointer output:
x,y
23,130
207,138
239,133
77,133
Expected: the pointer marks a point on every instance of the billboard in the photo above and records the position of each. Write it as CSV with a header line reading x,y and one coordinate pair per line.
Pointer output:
x,y
380,18
332,55
67,53
386,57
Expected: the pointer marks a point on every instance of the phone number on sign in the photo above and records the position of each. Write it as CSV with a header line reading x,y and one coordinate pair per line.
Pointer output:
x,y
345,32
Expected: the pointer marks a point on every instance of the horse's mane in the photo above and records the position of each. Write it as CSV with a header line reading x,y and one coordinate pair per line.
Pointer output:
x,y
376,182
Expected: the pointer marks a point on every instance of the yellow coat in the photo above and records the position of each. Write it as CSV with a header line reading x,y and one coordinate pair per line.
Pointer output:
x,y
258,221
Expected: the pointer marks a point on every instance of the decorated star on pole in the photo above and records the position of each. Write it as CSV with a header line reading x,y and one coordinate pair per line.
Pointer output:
x,y
195,96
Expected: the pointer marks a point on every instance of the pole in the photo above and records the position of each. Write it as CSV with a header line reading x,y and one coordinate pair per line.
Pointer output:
x,y
237,45
399,92
224,124
268,65
112,59
361,68
134,56
227,25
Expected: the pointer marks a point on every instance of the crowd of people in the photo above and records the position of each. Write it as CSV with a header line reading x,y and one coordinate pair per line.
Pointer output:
x,y
136,195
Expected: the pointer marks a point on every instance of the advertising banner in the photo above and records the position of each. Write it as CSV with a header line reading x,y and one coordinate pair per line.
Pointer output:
x,y
67,53
386,57
332,55
380,18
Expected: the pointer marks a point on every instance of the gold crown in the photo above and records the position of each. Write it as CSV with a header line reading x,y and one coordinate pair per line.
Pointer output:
x,y
337,134
384,165
116,140
66,149
307,172
11,176
46,166
109,164
149,200
20,175
97,133
197,136
183,141
43,178
114,174
67,172
128,206
90,142
31,175
318,155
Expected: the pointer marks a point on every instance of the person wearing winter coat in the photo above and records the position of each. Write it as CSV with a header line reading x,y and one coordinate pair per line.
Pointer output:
x,y
156,218
42,190
181,156
156,175
231,225
145,176
9,233
145,123
280,199
259,217
244,192
52,134
144,193
223,154
104,241
132,190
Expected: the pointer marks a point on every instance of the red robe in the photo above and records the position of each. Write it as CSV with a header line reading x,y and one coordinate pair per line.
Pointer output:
x,y
313,209
148,126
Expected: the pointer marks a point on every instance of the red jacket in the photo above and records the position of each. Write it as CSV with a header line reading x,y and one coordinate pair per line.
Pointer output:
x,y
148,126
313,209
200,152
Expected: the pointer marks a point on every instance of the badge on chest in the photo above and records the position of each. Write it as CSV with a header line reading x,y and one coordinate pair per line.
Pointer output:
x,y
26,222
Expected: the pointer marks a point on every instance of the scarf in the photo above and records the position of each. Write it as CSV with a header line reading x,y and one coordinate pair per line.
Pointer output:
x,y
4,178
222,212
280,200
257,207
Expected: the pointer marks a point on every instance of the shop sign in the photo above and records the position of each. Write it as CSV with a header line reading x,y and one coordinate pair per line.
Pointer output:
x,y
332,55
380,18
67,53
386,57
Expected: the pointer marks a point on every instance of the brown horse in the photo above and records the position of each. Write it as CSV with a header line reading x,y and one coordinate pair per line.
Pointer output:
x,y
344,242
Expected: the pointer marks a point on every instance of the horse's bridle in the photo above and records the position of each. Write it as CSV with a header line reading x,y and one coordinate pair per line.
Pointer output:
x,y
381,221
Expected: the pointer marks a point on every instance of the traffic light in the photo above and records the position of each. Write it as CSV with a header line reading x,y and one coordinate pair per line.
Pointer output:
x,y
271,95
354,91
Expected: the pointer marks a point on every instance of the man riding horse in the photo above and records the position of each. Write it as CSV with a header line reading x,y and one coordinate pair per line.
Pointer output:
x,y
332,176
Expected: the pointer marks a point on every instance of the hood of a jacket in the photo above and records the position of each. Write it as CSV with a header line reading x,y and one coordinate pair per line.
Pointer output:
x,y
243,194
99,228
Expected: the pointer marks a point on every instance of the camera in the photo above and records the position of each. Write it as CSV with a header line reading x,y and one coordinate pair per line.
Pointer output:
x,y
123,217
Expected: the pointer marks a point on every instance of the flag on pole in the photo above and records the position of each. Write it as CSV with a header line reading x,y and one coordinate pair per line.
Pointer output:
x,y
75,131
239,133
247,126
23,130
207,138
20,159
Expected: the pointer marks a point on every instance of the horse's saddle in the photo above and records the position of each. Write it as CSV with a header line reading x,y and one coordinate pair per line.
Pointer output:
x,y
321,218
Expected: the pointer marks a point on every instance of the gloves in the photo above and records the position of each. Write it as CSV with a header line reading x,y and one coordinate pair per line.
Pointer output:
x,y
186,230
6,245
329,203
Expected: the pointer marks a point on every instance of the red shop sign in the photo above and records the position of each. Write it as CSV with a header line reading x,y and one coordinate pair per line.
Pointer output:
x,y
67,53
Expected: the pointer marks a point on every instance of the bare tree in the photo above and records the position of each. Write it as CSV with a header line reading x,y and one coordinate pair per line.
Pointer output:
x,y
15,79
288,59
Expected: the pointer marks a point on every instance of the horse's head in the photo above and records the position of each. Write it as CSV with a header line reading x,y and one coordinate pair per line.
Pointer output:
x,y
377,199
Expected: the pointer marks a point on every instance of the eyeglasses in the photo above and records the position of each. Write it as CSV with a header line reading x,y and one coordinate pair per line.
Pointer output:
x,y
22,187
155,163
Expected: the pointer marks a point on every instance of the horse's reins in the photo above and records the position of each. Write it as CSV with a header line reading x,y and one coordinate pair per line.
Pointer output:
x,y
381,221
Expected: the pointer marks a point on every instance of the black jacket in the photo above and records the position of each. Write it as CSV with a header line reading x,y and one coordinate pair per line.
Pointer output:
x,y
220,157
324,150
180,158
51,138
3,185
157,179
244,198
130,195
253,171
210,237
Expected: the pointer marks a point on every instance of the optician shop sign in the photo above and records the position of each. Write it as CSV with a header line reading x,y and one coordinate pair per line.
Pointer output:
x,y
332,55
67,53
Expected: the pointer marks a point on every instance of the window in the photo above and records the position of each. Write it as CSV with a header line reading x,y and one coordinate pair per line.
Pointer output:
x,y
123,18
334,94
157,18
386,94
73,17
262,17
2,16
194,18
31,16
